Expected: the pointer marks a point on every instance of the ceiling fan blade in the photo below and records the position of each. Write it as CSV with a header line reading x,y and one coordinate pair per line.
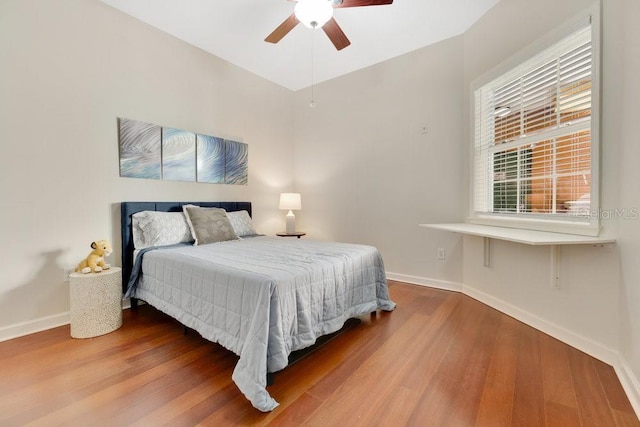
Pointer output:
x,y
283,29
358,3
335,34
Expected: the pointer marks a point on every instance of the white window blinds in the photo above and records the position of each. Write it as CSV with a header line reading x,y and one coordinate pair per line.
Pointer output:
x,y
532,141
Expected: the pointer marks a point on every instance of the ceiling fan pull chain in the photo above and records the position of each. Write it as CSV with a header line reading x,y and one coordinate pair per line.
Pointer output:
x,y
312,104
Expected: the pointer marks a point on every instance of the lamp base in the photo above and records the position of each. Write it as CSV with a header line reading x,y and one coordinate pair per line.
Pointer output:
x,y
291,222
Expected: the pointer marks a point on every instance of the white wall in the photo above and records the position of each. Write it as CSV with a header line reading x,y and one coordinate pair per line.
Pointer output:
x,y
597,305
519,275
366,171
623,130
68,69
368,175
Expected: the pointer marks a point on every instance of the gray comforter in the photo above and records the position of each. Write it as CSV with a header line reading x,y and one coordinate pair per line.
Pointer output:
x,y
264,297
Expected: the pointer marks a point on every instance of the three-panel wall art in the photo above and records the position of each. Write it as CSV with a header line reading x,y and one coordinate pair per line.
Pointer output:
x,y
156,152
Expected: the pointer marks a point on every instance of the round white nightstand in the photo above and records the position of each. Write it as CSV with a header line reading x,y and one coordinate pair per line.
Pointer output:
x,y
96,302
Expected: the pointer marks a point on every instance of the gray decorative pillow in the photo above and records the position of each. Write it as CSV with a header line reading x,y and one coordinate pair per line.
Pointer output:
x,y
209,225
241,223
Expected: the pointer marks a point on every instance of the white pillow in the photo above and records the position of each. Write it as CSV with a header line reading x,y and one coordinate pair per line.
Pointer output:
x,y
152,228
241,223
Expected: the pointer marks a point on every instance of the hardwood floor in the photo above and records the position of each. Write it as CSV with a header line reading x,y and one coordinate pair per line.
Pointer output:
x,y
440,359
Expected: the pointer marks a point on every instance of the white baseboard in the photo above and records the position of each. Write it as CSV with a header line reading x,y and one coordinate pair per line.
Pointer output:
x,y
629,382
625,374
432,283
33,326
41,324
592,348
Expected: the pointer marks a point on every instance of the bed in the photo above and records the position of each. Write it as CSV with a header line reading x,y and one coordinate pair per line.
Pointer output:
x,y
260,297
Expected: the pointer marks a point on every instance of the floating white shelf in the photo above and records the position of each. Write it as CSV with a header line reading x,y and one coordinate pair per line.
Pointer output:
x,y
527,237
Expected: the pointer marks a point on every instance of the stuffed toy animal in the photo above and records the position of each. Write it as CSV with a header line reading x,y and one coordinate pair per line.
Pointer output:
x,y
95,261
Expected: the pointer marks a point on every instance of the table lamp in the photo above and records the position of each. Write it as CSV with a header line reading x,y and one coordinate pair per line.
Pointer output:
x,y
290,202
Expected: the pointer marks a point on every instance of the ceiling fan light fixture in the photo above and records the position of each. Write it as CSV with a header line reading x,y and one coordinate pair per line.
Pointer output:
x,y
313,13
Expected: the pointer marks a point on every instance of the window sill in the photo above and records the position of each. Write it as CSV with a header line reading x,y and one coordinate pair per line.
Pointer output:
x,y
555,226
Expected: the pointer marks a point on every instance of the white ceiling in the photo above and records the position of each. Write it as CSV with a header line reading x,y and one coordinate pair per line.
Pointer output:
x,y
235,30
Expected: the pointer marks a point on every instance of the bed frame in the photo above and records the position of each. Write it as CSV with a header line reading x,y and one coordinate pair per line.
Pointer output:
x,y
127,209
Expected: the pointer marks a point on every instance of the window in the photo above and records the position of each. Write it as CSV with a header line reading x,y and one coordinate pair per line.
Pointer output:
x,y
535,140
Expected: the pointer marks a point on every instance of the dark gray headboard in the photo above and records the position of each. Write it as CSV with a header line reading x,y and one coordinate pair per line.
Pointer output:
x,y
129,208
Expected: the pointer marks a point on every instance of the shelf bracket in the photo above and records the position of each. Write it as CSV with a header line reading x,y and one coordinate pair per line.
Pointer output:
x,y
555,266
487,252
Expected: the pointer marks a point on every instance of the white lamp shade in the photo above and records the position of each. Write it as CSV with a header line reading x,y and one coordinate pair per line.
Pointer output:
x,y
313,13
290,201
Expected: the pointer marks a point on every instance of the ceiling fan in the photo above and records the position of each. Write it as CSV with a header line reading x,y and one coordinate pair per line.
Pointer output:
x,y
319,14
